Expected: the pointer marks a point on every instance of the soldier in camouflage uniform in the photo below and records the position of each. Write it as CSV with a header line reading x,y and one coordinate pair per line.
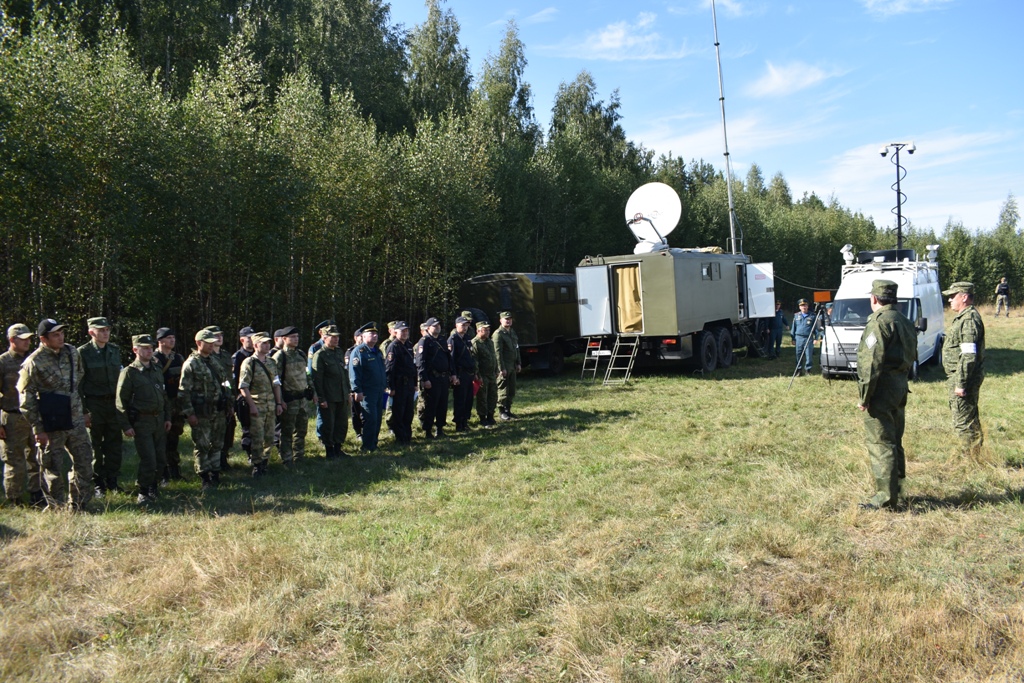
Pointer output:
x,y
223,437
296,390
963,357
887,351
51,402
260,385
145,413
506,348
101,362
170,361
198,393
16,443
486,374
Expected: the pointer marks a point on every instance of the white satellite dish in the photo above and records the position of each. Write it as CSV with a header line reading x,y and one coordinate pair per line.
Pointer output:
x,y
652,212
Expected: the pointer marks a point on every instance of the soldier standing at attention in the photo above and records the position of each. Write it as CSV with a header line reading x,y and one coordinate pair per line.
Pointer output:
x,y
319,332
52,403
223,438
369,380
260,385
1003,297
487,373
101,366
887,351
145,414
775,329
17,446
434,370
506,348
198,394
296,389
333,392
401,376
169,361
464,368
963,357
241,415
803,333
357,409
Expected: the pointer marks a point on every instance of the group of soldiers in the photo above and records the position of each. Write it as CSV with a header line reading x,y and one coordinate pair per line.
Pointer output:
x,y
885,356
82,401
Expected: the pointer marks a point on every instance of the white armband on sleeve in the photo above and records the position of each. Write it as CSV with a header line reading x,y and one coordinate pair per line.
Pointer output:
x,y
277,381
969,348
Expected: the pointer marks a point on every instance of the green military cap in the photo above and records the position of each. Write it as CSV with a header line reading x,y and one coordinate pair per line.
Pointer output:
x,y
468,315
213,328
802,302
960,287
260,337
505,314
18,330
331,331
482,324
98,323
143,340
205,335
884,289
391,325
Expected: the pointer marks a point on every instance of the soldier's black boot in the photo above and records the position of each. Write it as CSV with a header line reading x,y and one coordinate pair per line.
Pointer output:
x,y
101,485
37,499
165,479
207,480
112,485
215,479
329,453
176,473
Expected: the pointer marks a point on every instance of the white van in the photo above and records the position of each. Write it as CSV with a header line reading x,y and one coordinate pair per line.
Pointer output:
x,y
919,298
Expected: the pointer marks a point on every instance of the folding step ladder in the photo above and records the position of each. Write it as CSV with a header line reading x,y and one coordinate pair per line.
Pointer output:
x,y
620,363
749,331
592,358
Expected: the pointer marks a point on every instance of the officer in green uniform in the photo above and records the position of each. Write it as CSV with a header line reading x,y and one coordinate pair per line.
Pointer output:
x,y
198,394
296,391
260,385
101,362
963,357
887,352
52,403
17,446
145,414
333,393
486,373
170,361
224,421
506,348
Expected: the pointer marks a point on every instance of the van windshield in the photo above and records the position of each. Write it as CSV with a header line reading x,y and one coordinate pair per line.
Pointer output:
x,y
855,312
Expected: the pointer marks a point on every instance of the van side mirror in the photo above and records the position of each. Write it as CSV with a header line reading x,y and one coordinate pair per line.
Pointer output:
x,y
922,325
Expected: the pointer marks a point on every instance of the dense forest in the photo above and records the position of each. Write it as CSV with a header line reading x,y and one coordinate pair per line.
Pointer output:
x,y
182,162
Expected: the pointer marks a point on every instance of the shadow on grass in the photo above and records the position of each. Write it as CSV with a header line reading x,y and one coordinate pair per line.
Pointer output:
x,y
319,486
964,500
8,534
1000,362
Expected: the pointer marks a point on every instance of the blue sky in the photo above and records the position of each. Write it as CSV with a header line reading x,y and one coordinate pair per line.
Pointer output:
x,y
813,88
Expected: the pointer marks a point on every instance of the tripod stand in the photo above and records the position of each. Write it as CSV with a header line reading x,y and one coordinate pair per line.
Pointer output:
x,y
819,320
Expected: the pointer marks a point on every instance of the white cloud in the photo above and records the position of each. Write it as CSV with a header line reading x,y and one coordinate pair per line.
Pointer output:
x,y
888,8
544,16
731,8
624,41
788,79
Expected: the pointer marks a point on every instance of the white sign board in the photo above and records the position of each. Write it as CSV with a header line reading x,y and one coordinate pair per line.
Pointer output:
x,y
594,301
760,290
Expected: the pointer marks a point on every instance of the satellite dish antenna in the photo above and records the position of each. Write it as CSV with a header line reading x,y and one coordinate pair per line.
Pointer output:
x,y
652,212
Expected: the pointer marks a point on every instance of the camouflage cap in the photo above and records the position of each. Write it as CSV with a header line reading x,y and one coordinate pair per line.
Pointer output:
x,y
98,323
140,340
884,289
18,330
331,331
468,315
392,325
205,335
260,337
213,328
483,324
960,287
505,314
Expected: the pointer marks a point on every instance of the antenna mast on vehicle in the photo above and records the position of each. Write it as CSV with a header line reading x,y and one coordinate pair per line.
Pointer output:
x,y
725,140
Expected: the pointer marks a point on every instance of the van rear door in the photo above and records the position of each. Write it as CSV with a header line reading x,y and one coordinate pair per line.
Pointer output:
x,y
593,293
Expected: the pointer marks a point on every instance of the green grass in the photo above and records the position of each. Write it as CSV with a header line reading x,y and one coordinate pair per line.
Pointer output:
x,y
677,529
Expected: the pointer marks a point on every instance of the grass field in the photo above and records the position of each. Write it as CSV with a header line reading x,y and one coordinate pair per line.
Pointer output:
x,y
679,529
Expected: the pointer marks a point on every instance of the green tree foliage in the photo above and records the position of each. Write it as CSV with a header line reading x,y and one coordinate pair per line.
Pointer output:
x,y
438,66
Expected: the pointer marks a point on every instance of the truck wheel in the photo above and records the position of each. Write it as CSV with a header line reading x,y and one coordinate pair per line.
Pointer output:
x,y
556,359
707,352
936,358
723,340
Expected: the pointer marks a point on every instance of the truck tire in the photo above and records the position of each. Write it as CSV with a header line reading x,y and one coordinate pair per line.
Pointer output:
x,y
706,352
723,340
936,358
556,359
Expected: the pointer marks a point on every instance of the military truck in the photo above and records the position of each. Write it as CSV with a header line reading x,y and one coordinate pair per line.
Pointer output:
x,y
544,306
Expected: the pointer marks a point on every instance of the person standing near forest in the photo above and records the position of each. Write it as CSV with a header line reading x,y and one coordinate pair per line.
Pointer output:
x,y
296,390
506,348
260,385
333,393
486,373
198,394
18,448
101,367
963,358
144,412
170,361
1003,297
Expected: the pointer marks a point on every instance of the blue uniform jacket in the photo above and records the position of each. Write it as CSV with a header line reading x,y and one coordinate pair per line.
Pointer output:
x,y
802,324
366,370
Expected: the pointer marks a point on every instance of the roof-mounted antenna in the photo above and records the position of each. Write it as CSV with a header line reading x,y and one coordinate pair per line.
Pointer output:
x,y
652,212
725,139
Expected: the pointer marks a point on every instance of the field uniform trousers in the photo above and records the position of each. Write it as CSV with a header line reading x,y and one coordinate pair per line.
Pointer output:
x,y
294,423
74,441
400,421
487,399
506,391
171,445
19,456
105,433
435,403
966,421
261,431
207,451
1002,301
884,423
151,445
334,423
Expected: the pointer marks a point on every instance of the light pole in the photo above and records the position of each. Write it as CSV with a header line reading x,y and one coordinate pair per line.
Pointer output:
x,y
901,173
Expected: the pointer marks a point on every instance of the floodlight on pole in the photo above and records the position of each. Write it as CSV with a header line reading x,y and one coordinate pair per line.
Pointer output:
x,y
901,173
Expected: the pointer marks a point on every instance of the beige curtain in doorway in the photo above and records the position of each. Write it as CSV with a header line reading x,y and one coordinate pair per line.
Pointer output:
x,y
627,299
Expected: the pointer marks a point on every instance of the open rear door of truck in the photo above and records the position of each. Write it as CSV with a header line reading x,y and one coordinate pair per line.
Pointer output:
x,y
593,294
760,290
